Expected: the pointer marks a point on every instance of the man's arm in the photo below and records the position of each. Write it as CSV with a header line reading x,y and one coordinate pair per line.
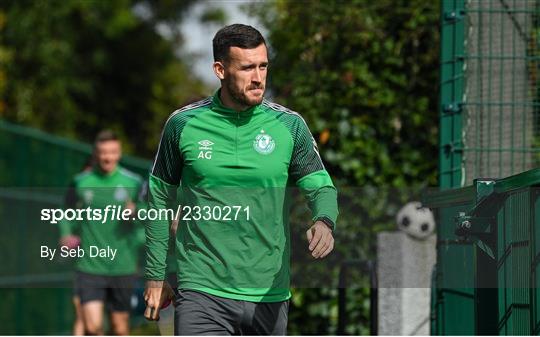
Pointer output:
x,y
67,228
160,197
162,185
139,202
308,171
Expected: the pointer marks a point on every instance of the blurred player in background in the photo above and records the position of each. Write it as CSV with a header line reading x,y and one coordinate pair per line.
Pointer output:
x,y
73,241
103,281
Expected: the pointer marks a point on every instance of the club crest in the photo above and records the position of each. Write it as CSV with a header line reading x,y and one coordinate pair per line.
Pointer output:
x,y
263,143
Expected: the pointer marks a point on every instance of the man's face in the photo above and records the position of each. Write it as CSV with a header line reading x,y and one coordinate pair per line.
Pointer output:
x,y
244,75
108,154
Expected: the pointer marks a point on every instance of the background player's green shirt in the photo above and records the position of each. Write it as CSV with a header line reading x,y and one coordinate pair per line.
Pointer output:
x,y
227,159
97,190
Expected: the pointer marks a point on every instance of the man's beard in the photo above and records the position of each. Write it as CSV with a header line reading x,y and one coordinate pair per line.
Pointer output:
x,y
241,98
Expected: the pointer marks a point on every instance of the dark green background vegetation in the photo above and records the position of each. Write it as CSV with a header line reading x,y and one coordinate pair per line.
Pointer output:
x,y
364,74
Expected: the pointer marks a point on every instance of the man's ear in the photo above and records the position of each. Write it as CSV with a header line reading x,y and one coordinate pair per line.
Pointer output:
x,y
219,70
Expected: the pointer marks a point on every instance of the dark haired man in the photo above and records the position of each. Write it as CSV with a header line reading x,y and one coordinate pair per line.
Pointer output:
x,y
234,151
102,280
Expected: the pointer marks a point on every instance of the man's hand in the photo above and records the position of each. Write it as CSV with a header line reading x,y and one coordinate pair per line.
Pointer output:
x,y
130,205
156,293
70,241
320,239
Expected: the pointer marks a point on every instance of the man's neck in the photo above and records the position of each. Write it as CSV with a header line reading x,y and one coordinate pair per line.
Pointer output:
x,y
106,173
229,102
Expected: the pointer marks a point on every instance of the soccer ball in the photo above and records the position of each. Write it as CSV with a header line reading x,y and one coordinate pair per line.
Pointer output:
x,y
415,220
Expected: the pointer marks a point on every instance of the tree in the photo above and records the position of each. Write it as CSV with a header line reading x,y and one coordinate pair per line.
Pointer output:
x,y
75,67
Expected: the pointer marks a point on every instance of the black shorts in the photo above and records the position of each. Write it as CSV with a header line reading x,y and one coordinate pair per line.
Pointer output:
x,y
199,313
114,291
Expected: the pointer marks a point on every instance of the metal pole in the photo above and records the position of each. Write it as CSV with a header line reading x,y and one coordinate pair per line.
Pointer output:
x,y
367,267
342,299
373,298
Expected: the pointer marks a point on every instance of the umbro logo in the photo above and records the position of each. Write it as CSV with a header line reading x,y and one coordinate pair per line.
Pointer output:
x,y
205,143
205,149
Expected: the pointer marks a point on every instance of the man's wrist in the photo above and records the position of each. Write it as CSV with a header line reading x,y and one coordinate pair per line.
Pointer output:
x,y
154,283
327,221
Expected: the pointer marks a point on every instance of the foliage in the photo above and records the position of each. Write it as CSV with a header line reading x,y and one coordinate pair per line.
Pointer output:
x,y
363,74
74,67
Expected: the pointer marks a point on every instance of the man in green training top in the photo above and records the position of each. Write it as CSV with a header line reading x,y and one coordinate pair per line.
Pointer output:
x,y
235,154
106,272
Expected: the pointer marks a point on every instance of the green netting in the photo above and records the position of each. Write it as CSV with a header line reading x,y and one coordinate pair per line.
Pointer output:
x,y
35,167
500,89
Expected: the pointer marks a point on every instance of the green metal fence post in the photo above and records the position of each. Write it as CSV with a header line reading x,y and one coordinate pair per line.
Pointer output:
x,y
452,46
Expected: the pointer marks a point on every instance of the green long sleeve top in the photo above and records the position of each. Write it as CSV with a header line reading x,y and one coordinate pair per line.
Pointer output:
x,y
236,170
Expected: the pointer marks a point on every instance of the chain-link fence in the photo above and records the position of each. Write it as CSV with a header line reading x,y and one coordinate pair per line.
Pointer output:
x,y
500,103
489,89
